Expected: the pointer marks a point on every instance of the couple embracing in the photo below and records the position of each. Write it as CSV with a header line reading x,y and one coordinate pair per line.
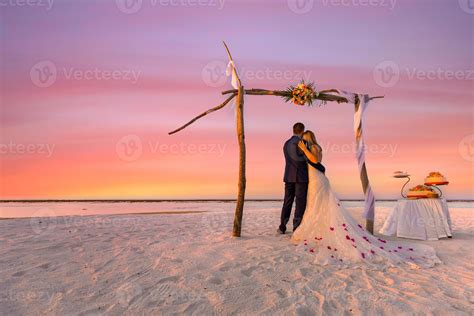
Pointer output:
x,y
322,226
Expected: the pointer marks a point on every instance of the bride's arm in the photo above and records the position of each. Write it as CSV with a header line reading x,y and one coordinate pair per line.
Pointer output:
x,y
312,154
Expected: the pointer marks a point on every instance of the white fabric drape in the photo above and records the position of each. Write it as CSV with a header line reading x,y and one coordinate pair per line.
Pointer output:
x,y
369,206
232,71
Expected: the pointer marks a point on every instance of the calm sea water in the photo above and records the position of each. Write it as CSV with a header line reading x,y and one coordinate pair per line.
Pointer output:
x,y
42,209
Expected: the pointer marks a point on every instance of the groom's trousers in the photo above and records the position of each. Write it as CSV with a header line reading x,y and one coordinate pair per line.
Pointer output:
x,y
294,191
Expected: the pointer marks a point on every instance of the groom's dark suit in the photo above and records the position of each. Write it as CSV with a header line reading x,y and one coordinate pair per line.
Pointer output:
x,y
296,183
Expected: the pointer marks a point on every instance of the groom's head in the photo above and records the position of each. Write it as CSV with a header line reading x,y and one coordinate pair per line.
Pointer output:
x,y
298,129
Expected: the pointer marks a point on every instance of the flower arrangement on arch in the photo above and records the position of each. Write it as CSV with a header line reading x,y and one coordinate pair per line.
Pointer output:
x,y
302,94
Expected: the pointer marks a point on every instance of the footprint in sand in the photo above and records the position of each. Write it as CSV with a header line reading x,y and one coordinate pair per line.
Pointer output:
x,y
169,279
302,310
248,272
282,293
266,266
44,266
305,271
19,273
253,248
214,280
224,268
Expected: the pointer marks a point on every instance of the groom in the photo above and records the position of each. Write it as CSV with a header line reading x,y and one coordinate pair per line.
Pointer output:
x,y
296,180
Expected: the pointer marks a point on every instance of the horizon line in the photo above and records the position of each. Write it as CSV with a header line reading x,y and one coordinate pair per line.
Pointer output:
x,y
183,200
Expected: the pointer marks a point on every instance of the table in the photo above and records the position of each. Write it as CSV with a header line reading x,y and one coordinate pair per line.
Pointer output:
x,y
424,219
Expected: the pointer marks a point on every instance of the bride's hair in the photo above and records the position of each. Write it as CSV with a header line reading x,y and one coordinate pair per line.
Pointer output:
x,y
313,140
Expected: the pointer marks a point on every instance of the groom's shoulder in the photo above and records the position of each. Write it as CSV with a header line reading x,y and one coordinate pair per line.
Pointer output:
x,y
290,142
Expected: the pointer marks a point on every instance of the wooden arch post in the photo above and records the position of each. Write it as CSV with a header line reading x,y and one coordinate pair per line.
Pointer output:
x,y
239,208
239,93
239,108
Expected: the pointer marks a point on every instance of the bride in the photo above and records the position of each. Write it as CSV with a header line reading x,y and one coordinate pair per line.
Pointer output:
x,y
331,234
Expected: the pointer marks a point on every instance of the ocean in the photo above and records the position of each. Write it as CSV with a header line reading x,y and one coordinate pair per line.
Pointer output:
x,y
70,208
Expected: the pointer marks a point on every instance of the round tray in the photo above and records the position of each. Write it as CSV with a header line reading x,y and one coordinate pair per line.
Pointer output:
x,y
437,183
421,197
427,196
401,176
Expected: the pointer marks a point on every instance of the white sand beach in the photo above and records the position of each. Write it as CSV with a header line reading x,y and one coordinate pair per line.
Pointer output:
x,y
187,263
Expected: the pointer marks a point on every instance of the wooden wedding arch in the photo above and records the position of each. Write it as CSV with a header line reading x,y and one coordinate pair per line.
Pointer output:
x,y
360,102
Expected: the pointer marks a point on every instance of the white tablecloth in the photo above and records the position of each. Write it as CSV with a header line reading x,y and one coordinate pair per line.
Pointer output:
x,y
425,219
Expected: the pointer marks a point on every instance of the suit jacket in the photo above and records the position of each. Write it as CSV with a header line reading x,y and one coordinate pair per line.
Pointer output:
x,y
296,168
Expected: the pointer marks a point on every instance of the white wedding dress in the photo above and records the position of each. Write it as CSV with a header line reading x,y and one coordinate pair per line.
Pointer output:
x,y
332,236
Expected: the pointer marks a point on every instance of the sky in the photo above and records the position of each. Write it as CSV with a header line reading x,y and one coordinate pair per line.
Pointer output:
x,y
90,89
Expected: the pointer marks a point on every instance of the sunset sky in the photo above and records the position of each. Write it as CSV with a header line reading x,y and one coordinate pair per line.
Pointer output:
x,y
89,90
